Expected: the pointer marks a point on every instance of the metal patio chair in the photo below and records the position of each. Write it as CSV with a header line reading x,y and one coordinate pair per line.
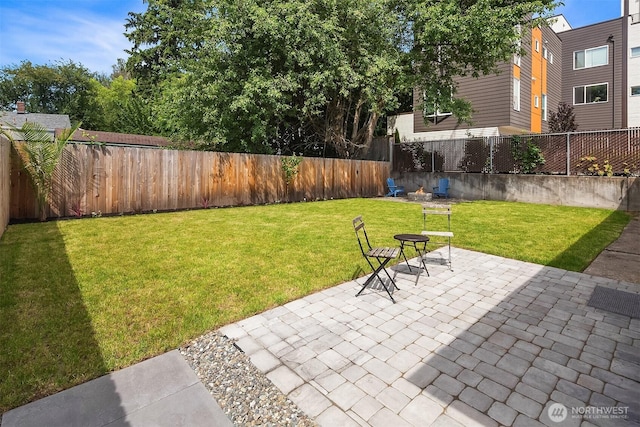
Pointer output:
x,y
427,229
381,254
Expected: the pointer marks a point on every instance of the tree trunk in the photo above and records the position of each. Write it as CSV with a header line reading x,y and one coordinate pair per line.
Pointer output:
x,y
356,118
42,208
336,128
334,131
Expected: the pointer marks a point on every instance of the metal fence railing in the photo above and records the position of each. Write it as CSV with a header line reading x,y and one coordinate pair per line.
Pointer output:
x,y
614,152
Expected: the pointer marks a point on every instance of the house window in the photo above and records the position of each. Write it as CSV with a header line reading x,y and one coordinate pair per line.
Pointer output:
x,y
635,90
550,57
516,59
437,105
536,101
545,52
544,107
590,94
537,45
590,57
516,94
635,52
432,110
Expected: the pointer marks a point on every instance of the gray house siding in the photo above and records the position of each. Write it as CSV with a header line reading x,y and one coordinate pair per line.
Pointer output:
x,y
554,73
604,115
490,98
521,119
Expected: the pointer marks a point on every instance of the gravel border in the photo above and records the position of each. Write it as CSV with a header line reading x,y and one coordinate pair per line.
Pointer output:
x,y
244,393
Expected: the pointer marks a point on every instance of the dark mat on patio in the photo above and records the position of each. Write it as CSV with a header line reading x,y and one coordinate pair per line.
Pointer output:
x,y
615,301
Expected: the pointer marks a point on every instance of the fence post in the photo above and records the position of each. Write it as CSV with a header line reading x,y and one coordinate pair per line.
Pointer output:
x,y
568,154
491,154
433,157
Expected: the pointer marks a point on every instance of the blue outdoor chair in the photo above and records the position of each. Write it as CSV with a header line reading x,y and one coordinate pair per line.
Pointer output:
x,y
442,190
394,189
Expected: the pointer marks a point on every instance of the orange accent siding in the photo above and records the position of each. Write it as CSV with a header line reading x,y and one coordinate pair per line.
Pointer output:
x,y
516,71
537,80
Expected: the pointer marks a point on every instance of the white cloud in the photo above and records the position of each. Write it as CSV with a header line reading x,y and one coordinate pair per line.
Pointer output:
x,y
45,35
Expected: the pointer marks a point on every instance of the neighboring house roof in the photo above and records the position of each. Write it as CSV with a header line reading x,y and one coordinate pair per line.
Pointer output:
x,y
48,121
113,138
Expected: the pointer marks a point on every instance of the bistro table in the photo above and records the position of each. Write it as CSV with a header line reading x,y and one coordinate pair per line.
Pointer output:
x,y
419,243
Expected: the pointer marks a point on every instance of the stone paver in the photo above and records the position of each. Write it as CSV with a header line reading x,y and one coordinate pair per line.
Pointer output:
x,y
264,360
346,395
310,400
494,342
502,413
285,379
393,399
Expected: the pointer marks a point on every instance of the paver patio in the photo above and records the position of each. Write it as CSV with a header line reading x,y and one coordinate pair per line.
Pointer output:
x,y
493,342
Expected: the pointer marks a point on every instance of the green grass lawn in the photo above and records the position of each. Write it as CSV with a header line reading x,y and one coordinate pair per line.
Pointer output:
x,y
80,298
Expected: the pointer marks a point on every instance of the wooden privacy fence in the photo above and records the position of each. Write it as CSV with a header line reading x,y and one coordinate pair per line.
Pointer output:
x,y
111,180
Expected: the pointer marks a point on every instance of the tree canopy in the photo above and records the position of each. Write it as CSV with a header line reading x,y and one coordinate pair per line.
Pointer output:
x,y
309,77
166,35
106,103
58,88
313,76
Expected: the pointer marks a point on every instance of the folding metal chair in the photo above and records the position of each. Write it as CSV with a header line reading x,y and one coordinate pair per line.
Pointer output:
x,y
448,234
381,254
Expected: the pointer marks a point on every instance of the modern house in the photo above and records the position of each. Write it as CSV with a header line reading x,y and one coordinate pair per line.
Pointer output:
x,y
595,68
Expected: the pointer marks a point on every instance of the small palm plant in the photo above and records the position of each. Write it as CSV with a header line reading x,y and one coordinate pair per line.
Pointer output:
x,y
40,154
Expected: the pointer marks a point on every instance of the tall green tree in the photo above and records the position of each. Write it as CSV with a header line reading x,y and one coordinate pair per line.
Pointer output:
x,y
315,76
58,88
163,37
122,110
289,76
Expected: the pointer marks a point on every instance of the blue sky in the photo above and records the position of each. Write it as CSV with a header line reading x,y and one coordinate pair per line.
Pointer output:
x,y
90,32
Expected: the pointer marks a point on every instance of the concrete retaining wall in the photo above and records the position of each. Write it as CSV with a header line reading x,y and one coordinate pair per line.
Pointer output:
x,y
584,191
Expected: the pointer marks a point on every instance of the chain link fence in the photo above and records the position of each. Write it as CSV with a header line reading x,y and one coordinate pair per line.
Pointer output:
x,y
615,152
